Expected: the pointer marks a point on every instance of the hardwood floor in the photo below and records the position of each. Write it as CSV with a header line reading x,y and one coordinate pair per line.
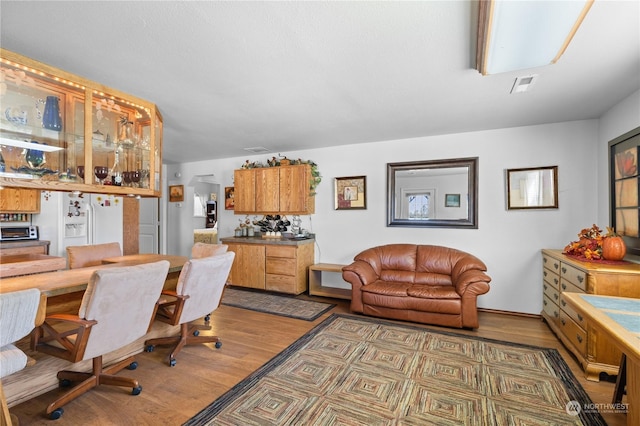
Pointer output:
x,y
171,395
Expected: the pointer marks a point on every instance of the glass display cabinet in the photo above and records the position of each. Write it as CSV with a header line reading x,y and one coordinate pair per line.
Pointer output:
x,y
62,132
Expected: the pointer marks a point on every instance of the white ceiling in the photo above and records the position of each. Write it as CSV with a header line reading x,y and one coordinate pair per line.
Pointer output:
x,y
297,75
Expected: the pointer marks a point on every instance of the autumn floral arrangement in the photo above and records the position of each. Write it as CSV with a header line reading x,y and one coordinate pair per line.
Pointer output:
x,y
594,245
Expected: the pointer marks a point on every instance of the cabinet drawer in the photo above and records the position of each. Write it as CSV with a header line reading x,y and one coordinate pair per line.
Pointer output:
x,y
579,319
281,266
573,332
568,286
551,263
281,283
550,308
576,276
281,251
551,292
551,279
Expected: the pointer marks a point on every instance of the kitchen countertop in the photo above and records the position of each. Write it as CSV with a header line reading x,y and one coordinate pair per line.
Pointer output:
x,y
260,240
23,243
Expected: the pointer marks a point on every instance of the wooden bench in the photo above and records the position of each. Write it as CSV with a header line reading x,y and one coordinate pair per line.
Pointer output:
x,y
315,281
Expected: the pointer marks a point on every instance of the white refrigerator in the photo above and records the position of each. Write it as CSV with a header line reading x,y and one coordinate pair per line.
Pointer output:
x,y
91,219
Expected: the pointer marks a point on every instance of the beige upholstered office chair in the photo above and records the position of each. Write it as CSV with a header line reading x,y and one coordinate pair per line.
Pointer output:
x,y
92,254
200,250
117,309
198,293
18,312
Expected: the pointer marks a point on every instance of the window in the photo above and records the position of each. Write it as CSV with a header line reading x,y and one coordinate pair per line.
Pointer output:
x,y
419,206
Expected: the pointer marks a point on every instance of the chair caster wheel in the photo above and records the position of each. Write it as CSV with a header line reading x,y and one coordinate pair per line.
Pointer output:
x,y
136,391
218,345
149,348
172,362
56,414
207,318
196,333
65,383
132,366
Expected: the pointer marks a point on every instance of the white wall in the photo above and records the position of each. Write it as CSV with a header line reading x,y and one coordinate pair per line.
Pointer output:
x,y
509,242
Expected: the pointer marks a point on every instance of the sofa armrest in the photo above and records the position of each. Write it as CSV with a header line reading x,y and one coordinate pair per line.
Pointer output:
x,y
472,282
359,273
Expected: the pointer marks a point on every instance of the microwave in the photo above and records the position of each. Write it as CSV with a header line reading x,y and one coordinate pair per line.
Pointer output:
x,y
18,233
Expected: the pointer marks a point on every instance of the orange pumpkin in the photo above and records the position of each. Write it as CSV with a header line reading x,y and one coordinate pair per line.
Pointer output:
x,y
613,248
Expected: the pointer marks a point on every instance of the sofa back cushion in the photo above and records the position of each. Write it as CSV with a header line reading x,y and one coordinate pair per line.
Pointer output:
x,y
393,262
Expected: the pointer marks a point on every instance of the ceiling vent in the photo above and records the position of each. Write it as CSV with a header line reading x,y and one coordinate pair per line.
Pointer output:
x,y
524,84
257,150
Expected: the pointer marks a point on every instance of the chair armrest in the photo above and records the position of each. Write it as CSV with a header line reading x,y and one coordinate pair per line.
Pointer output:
x,y
169,309
472,282
63,336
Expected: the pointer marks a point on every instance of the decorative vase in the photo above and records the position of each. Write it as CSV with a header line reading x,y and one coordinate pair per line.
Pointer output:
x,y
51,119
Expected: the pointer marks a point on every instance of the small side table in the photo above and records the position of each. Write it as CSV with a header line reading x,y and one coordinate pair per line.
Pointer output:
x,y
315,281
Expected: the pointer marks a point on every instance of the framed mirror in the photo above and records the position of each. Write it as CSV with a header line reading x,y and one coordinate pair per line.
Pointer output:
x,y
436,193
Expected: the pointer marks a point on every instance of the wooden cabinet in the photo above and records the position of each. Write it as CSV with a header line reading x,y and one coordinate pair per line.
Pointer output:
x,y
24,247
562,274
283,189
56,128
272,267
16,200
248,266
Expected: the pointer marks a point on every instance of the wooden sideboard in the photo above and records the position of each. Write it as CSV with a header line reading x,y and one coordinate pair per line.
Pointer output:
x,y
561,273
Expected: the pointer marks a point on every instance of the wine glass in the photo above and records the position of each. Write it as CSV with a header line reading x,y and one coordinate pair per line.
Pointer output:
x,y
101,173
135,178
81,172
126,176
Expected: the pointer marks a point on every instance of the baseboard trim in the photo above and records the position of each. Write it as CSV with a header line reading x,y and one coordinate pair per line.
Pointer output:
x,y
511,313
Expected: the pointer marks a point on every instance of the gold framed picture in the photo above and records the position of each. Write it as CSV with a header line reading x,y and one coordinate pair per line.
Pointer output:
x,y
176,193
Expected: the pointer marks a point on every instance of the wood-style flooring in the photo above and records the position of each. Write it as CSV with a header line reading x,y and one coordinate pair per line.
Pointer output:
x,y
172,395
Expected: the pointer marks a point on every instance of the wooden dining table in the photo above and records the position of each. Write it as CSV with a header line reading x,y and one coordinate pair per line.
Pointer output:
x,y
54,286
30,263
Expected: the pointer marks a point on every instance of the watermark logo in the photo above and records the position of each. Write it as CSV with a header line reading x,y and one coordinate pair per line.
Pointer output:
x,y
574,408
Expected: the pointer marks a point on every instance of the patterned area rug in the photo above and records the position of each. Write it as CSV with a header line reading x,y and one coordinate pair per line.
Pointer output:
x,y
286,306
352,370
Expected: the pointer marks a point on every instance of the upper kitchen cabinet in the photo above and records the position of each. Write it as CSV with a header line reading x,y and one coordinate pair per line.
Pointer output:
x,y
62,132
282,189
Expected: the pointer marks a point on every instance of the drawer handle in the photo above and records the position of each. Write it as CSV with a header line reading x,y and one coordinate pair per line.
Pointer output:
x,y
544,302
555,281
579,337
564,270
580,318
580,279
563,321
564,286
544,260
555,265
544,273
555,296
555,314
563,303
544,286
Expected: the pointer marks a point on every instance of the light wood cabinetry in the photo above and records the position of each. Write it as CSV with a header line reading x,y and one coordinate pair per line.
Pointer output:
x,y
56,127
283,189
17,200
24,247
562,274
271,267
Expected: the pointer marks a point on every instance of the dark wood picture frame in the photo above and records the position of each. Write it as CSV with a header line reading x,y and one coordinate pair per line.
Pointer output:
x,y
351,193
532,188
176,193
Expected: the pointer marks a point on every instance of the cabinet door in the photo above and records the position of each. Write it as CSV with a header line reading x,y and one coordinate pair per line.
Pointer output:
x,y
248,265
244,191
294,190
20,200
268,190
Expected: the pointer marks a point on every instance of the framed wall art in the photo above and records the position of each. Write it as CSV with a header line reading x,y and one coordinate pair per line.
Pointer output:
x,y
228,198
176,193
452,200
532,188
351,193
624,189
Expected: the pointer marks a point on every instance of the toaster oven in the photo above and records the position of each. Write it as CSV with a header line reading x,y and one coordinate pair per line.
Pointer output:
x,y
18,233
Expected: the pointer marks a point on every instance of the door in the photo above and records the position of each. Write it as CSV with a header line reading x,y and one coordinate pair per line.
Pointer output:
x,y
149,226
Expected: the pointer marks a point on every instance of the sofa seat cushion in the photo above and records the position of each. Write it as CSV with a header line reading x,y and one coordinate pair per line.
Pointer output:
x,y
440,306
433,292
387,288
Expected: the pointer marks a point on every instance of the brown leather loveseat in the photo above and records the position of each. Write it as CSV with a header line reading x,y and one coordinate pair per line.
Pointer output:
x,y
419,283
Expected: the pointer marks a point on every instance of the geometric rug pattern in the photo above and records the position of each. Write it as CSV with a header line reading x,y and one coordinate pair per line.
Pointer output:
x,y
352,370
283,305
